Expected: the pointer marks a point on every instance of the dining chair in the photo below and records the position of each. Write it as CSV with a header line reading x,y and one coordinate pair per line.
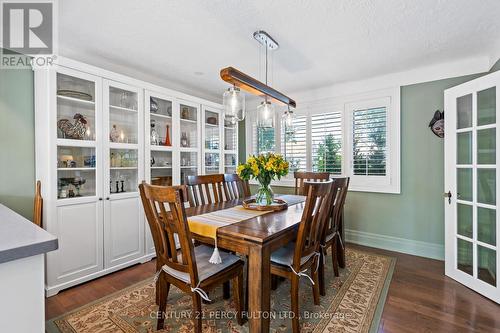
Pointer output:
x,y
205,189
38,205
293,260
302,176
235,187
331,237
188,269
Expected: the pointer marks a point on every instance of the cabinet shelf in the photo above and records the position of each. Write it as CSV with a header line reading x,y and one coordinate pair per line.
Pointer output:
x,y
76,169
121,108
161,167
161,148
211,125
189,121
189,167
119,145
75,100
123,168
157,115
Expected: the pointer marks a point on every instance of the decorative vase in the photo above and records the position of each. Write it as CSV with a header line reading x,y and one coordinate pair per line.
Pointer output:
x,y
265,195
154,135
167,138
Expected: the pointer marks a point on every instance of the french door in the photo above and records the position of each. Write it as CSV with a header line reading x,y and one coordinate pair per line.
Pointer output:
x,y
472,184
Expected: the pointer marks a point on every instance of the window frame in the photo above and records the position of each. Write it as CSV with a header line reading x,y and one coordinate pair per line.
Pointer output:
x,y
388,98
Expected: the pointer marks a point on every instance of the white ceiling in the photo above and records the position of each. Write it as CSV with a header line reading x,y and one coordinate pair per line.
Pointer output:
x,y
185,43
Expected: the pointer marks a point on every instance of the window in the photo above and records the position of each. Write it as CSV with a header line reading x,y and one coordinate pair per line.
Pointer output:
x,y
293,144
263,141
369,141
326,142
358,137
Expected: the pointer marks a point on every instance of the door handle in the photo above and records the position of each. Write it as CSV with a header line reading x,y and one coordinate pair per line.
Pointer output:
x,y
107,198
100,199
448,195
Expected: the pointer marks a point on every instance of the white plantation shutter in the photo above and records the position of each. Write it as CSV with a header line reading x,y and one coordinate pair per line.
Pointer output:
x,y
293,144
326,142
356,136
369,127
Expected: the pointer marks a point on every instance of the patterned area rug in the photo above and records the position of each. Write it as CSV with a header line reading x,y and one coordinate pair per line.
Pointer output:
x,y
354,303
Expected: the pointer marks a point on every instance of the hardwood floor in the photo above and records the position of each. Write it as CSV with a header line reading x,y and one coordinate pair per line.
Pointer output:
x,y
420,298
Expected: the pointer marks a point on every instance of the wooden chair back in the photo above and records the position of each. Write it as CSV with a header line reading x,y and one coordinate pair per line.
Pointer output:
x,y
205,189
235,187
339,194
301,176
165,224
38,205
313,220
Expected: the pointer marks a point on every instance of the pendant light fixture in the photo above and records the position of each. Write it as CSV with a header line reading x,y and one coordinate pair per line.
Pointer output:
x,y
287,120
265,111
234,105
234,100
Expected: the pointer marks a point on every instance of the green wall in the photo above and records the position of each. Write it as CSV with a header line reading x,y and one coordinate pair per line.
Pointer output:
x,y
17,139
417,213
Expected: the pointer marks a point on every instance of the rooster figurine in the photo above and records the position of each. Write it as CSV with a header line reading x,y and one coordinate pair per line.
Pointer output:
x,y
77,130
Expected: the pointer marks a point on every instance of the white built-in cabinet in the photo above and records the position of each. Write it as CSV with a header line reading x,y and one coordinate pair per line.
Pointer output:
x,y
98,135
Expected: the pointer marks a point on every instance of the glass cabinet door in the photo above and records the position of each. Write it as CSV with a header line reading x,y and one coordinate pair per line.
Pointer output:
x,y
76,100
230,147
123,127
76,108
189,165
160,122
188,126
212,141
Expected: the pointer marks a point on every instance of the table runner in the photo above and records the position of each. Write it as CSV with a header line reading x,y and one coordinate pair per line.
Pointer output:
x,y
207,224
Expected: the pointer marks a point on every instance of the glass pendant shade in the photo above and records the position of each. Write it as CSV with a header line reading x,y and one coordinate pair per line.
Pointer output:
x,y
265,115
288,118
234,105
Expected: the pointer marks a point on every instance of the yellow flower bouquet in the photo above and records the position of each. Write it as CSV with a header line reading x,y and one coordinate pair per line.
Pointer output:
x,y
264,168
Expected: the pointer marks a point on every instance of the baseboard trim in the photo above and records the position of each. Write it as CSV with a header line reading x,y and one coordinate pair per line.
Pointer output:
x,y
408,246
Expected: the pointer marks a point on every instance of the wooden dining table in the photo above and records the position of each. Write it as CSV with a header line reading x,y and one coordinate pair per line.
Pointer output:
x,y
257,238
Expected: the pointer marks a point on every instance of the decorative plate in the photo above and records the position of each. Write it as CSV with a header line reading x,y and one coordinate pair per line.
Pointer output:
x,y
277,205
74,94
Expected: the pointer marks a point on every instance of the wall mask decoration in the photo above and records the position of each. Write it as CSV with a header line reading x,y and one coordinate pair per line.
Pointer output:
x,y
437,123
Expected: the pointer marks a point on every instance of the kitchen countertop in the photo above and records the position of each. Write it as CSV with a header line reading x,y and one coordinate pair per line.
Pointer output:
x,y
20,238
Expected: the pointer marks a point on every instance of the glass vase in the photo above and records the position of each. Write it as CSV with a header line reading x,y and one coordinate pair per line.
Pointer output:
x,y
265,195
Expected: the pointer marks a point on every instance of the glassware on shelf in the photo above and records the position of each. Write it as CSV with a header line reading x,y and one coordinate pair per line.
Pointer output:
x,y
184,140
154,135
153,105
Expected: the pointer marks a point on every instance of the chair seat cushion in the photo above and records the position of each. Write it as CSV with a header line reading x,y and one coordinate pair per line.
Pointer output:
x,y
284,256
206,270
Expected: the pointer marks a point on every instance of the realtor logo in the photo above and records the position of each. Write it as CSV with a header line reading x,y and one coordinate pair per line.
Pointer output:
x,y
27,30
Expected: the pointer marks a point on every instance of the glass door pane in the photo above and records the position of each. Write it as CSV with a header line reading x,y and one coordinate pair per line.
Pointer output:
x,y
76,172
161,168
212,163
123,139
123,170
189,126
160,112
123,116
230,163
189,165
230,147
212,142
76,115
